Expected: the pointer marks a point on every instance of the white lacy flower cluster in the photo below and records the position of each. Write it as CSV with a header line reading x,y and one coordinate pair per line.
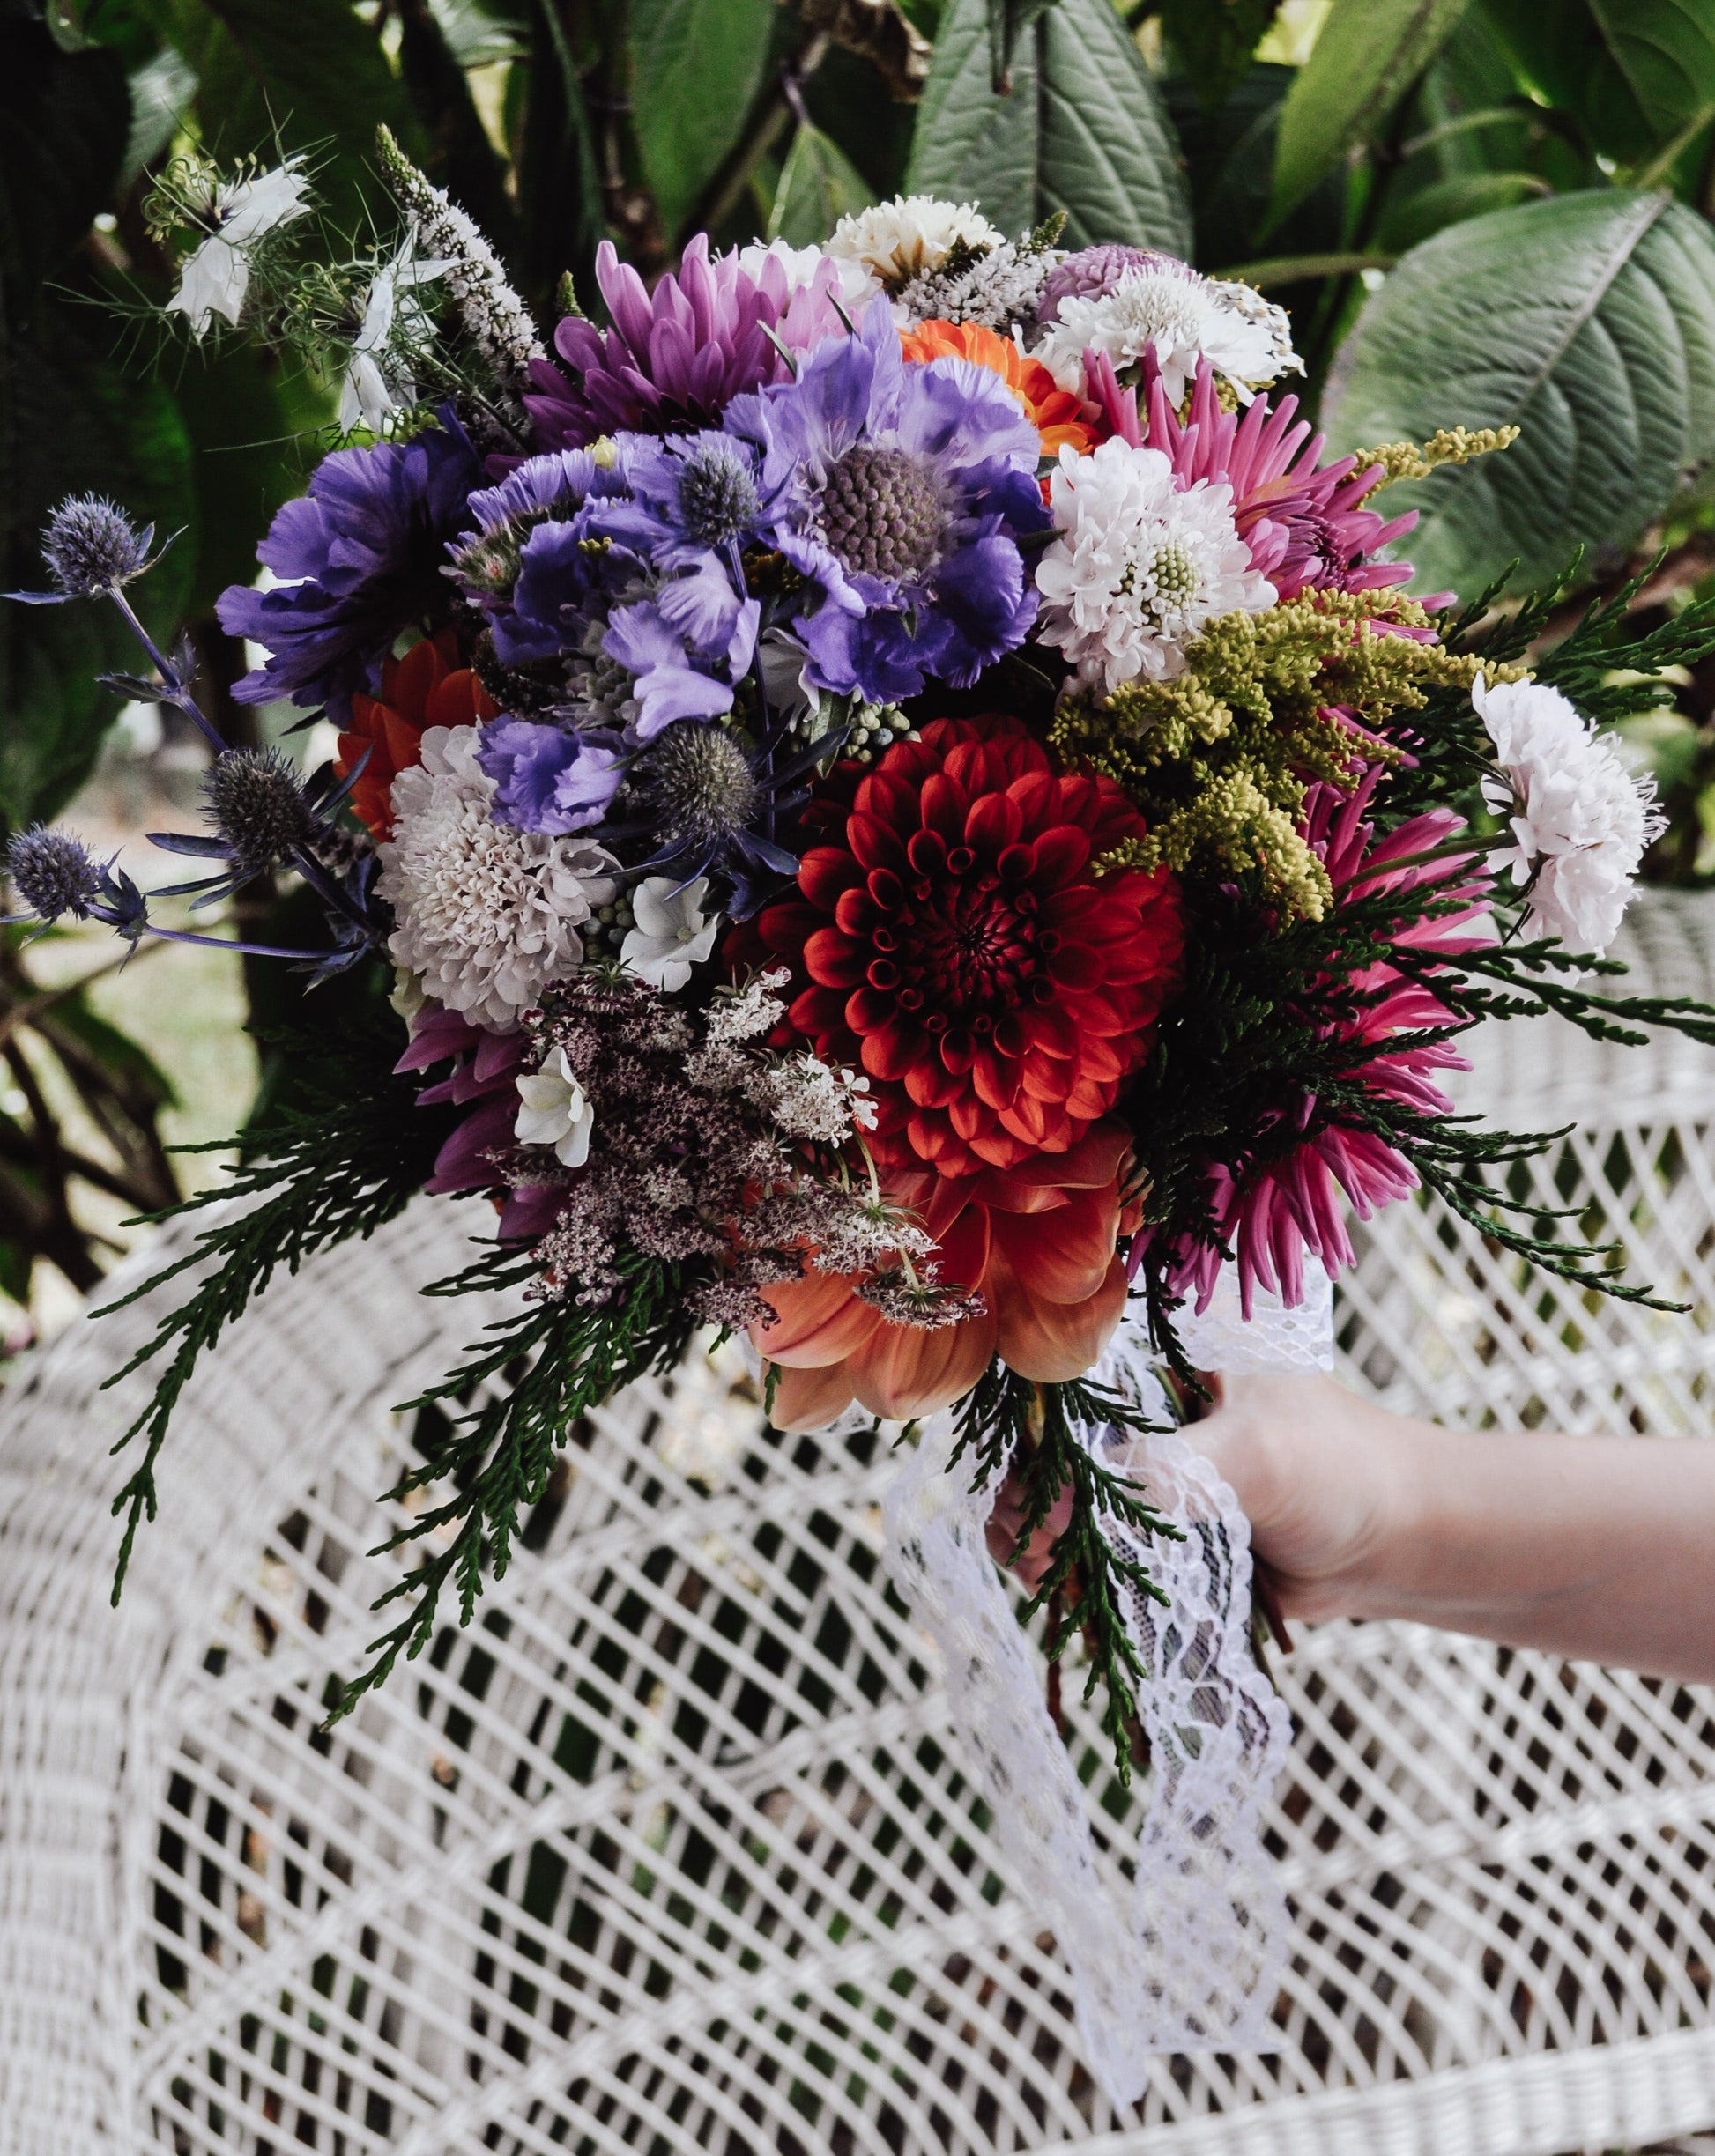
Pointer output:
x,y
816,1102
486,914
1140,565
1166,305
1581,821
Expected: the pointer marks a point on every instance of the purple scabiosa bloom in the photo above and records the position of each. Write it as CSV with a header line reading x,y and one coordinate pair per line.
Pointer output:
x,y
547,778
362,552
1090,274
675,357
901,494
684,645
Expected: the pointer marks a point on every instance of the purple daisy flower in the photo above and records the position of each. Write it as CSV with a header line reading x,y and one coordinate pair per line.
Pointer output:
x,y
675,357
363,552
901,494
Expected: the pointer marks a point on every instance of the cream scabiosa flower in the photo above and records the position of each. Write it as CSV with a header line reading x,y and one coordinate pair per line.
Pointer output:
x,y
1580,821
672,933
555,1111
888,245
488,915
1141,565
1163,304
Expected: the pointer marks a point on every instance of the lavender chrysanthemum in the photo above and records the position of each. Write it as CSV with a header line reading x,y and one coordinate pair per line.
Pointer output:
x,y
52,872
90,545
901,495
363,552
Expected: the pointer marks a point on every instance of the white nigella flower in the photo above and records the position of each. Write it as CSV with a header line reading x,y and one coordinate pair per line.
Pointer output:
x,y
378,379
1580,821
912,234
556,1111
1185,317
672,933
215,279
487,915
1141,565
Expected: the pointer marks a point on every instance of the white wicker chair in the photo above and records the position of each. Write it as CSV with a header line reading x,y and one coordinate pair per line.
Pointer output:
x,y
672,1852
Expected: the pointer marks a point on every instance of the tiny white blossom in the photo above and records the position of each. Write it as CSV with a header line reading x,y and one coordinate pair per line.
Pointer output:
x,y
487,915
756,1008
814,1101
1140,565
216,277
1581,821
672,934
1165,303
377,380
556,1111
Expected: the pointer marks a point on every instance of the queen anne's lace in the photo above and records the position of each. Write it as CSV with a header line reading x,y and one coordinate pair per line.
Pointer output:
x,y
1189,1958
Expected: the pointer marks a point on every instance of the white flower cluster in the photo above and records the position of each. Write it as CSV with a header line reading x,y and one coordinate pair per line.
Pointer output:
x,y
486,914
1580,821
886,247
1185,317
1141,565
1000,291
814,1101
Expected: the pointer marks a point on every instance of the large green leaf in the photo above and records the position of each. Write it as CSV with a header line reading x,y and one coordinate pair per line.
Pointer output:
x,y
1589,322
310,73
818,186
1633,73
697,65
1215,39
1367,56
1084,130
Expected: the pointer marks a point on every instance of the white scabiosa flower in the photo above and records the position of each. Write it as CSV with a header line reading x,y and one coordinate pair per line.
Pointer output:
x,y
1141,565
555,1111
1581,821
908,237
215,280
487,915
1164,304
672,933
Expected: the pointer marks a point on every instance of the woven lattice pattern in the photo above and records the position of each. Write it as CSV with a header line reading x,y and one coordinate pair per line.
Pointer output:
x,y
672,1852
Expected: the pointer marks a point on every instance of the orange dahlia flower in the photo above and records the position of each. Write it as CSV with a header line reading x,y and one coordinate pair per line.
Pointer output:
x,y
1037,1242
1058,415
961,944
428,687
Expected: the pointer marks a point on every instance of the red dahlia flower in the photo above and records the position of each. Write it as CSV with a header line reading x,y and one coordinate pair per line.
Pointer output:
x,y
961,943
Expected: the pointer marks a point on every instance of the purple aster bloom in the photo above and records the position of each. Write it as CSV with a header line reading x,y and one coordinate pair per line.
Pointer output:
x,y
547,778
675,357
900,492
363,552
1091,274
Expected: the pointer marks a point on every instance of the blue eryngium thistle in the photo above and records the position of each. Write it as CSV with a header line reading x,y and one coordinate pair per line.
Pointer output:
x,y
90,545
717,497
256,801
52,872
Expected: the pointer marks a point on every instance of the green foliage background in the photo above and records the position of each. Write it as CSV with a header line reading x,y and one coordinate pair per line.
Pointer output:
x,y
1477,212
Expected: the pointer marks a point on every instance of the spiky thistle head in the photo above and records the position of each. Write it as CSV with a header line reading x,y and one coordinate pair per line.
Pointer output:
x,y
52,872
717,496
699,782
255,799
90,545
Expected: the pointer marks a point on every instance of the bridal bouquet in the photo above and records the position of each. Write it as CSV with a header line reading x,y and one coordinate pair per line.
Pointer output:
x,y
893,801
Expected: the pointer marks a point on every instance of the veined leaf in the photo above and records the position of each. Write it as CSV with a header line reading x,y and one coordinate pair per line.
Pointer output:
x,y
1588,321
1633,73
697,65
818,185
1368,56
1665,51
1084,130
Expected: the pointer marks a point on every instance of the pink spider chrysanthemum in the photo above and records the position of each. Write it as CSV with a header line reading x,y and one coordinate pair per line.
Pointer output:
x,y
1306,526
1275,1212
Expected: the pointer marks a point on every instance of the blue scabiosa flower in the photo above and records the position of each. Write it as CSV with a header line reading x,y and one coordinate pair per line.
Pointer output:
x,y
547,778
901,493
363,552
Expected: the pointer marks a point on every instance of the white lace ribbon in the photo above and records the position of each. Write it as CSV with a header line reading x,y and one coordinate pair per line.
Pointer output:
x,y
1189,1956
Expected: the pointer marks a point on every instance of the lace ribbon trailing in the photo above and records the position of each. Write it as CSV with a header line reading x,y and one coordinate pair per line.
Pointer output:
x,y
1188,1956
